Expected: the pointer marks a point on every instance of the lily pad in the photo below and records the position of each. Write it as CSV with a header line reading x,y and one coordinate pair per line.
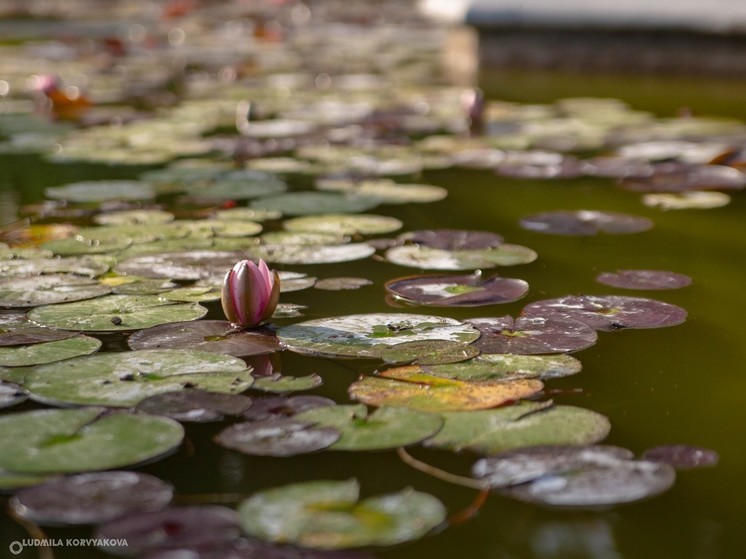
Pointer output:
x,y
503,366
170,528
303,238
413,388
218,336
247,214
364,335
11,481
99,191
694,199
48,289
584,476
11,395
91,498
279,384
327,515
277,437
529,335
388,191
48,352
428,352
78,246
295,281
228,187
134,217
315,203
342,283
124,379
682,457
207,228
277,407
518,426
22,334
344,224
198,406
644,279
195,294
385,428
609,312
312,254
428,258
80,265
681,177
457,291
453,239
585,222
114,313
80,440
191,265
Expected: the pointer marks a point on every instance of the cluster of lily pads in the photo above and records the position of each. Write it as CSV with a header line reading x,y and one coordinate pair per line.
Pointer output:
x,y
278,164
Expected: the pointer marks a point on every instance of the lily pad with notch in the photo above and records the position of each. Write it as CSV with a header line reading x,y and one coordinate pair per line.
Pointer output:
x,y
385,428
195,406
457,290
124,379
644,279
91,498
328,515
574,476
277,437
365,335
585,222
48,352
219,336
520,425
530,335
48,289
83,439
11,394
609,312
425,257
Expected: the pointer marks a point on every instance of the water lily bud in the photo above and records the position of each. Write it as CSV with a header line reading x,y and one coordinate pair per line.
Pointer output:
x,y
250,293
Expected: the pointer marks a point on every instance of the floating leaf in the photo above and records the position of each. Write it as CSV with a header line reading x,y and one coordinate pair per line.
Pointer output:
x,y
344,224
585,222
48,352
385,428
78,246
457,291
453,239
693,199
136,233
293,281
114,313
413,388
247,214
192,265
218,336
390,192
91,498
315,203
82,266
126,378
428,352
99,191
27,335
48,289
644,279
327,515
134,217
341,284
303,238
170,528
79,440
532,335
681,177
609,312
312,254
14,480
288,310
276,437
283,383
438,259
252,185
277,407
682,457
364,335
198,406
202,228
567,476
496,366
518,426
196,294
11,394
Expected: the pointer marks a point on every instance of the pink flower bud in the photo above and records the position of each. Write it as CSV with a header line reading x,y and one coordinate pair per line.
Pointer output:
x,y
250,293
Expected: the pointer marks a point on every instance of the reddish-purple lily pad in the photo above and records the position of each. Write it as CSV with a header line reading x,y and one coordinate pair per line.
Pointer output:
x,y
453,239
532,335
644,279
198,406
682,456
279,407
91,498
277,437
681,177
33,335
218,336
609,312
171,528
585,222
457,290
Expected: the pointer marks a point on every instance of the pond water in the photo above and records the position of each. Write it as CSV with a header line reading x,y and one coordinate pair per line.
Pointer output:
x,y
676,385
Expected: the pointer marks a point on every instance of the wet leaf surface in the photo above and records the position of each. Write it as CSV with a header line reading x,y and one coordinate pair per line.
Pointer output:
x,y
91,498
312,254
192,265
198,406
430,352
24,334
453,239
48,289
385,428
278,407
344,224
328,515
457,290
682,457
342,283
609,312
48,352
279,384
644,279
585,222
277,437
501,366
528,335
427,258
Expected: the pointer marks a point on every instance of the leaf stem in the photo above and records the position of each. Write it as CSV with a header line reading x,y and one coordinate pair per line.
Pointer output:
x,y
36,533
438,473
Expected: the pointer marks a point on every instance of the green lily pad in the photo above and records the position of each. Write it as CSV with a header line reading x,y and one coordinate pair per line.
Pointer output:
x,y
303,238
295,281
280,384
48,352
439,259
48,289
195,294
342,284
192,265
80,265
387,427
496,366
428,352
344,224
136,233
233,187
11,481
315,203
312,254
365,335
81,440
327,515
143,286
413,388
134,217
99,191
388,191
78,246
695,199
218,228
247,214
123,379
115,313
517,426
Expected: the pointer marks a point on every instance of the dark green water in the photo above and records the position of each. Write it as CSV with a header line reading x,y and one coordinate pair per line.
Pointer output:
x,y
684,384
